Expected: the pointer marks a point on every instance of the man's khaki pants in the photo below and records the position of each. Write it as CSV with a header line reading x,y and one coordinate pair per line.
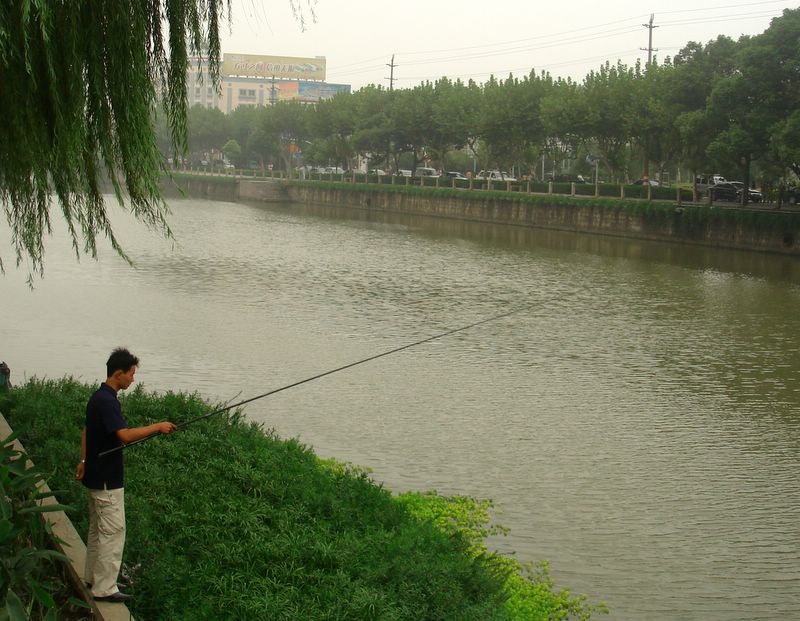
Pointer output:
x,y
105,541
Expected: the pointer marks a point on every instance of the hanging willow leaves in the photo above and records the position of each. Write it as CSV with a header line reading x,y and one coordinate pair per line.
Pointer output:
x,y
78,100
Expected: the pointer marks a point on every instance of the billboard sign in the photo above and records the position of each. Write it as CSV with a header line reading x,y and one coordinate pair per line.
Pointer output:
x,y
281,67
314,91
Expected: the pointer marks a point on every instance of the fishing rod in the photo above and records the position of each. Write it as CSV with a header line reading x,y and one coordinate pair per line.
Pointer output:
x,y
320,375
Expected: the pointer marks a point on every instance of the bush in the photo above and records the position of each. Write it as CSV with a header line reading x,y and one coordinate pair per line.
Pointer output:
x,y
31,581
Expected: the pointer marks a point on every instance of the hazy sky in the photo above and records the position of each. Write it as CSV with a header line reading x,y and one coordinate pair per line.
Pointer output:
x,y
476,38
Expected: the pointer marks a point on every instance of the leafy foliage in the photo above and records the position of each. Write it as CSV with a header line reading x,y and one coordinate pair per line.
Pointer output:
x,y
27,564
244,525
79,90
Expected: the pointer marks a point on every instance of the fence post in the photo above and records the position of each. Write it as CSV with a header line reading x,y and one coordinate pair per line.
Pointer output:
x,y
572,189
649,191
549,187
621,190
470,183
679,197
528,189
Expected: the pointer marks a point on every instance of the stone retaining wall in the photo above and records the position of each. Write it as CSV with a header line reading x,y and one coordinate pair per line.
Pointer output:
x,y
774,232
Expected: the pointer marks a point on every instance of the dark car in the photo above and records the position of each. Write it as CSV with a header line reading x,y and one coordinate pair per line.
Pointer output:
x,y
723,192
753,196
792,196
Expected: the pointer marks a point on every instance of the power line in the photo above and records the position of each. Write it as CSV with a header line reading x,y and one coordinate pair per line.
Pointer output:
x,y
563,38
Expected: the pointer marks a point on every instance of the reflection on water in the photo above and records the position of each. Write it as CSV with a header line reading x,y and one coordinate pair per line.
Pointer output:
x,y
637,424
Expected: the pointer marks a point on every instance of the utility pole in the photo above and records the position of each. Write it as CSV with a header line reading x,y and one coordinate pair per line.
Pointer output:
x,y
272,93
391,78
650,50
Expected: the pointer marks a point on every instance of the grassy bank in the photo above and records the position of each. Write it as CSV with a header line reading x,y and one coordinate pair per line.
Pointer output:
x,y
228,521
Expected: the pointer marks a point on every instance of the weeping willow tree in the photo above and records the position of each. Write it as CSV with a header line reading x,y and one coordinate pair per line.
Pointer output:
x,y
79,87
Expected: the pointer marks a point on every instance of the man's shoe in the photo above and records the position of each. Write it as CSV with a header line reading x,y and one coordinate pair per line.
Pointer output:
x,y
118,598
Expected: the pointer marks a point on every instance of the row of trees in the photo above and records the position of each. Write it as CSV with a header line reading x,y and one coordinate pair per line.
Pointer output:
x,y
726,106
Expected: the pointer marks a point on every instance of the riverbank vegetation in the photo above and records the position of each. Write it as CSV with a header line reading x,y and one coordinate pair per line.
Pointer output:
x,y
725,106
228,521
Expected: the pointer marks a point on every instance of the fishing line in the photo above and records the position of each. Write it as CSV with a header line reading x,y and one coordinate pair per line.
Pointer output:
x,y
320,375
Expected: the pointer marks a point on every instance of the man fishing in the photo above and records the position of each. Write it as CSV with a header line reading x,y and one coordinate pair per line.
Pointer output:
x,y
103,476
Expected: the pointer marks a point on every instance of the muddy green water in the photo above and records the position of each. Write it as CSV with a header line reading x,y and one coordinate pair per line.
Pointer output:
x,y
638,425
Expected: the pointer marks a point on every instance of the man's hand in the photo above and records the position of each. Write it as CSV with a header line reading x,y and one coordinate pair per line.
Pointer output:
x,y
166,427
79,471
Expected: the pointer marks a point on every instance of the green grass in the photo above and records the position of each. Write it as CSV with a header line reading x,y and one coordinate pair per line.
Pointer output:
x,y
228,521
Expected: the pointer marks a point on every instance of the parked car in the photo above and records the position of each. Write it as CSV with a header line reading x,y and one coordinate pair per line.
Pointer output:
x,y
724,191
754,196
376,171
495,175
709,179
404,172
791,195
334,170
425,171
453,174
704,181
652,182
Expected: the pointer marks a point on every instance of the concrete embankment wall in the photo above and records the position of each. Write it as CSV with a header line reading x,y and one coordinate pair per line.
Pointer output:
x,y
226,188
763,231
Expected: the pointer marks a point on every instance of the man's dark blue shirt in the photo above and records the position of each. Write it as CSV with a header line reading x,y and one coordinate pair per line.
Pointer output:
x,y
103,420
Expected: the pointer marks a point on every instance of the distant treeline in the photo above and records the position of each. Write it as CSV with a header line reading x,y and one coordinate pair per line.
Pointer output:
x,y
727,107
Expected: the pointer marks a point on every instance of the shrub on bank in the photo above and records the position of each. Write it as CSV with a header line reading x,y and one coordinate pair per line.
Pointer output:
x,y
228,521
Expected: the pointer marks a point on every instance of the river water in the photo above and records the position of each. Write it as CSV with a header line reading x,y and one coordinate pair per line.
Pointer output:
x,y
637,423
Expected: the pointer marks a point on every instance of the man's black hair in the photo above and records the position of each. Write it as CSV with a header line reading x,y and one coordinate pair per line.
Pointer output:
x,y
120,360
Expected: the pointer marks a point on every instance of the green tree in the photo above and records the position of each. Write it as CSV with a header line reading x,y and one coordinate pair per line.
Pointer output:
x,y
410,113
372,134
565,116
285,126
334,123
232,151
208,129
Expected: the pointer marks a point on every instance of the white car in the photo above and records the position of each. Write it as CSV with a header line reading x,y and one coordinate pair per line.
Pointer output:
x,y
495,175
424,171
